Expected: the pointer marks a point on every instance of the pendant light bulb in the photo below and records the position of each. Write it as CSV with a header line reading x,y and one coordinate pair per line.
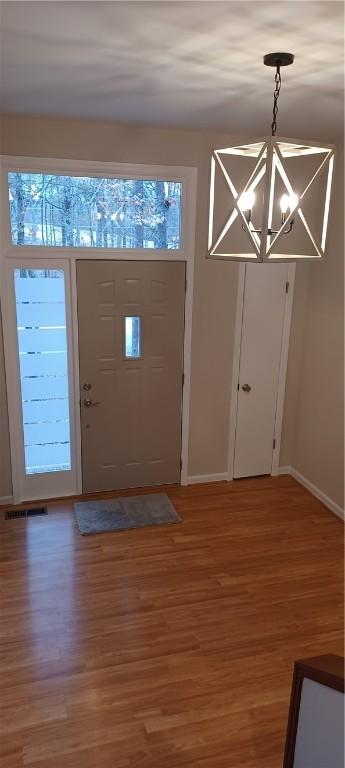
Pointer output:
x,y
246,203
247,200
288,202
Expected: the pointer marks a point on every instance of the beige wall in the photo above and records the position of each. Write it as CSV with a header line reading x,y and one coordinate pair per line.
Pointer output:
x,y
318,441
214,291
296,350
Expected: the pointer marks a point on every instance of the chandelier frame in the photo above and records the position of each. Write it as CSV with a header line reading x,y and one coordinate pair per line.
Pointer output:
x,y
271,153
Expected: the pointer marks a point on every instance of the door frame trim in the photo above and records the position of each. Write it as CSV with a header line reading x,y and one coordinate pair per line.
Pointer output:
x,y
10,254
236,368
282,369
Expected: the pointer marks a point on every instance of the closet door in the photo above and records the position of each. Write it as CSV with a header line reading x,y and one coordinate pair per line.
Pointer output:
x,y
261,343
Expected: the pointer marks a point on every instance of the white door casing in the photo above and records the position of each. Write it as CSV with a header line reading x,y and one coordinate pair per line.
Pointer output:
x,y
12,256
50,483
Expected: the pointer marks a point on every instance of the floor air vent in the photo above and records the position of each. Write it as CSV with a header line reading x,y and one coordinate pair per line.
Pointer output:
x,y
17,514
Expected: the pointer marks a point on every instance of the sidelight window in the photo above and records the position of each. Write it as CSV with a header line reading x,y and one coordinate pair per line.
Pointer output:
x,y
42,344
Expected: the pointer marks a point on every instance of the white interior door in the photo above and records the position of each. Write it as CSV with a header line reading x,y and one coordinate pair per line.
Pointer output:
x,y
261,345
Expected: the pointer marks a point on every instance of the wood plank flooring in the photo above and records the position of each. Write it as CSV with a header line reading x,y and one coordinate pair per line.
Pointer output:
x,y
166,646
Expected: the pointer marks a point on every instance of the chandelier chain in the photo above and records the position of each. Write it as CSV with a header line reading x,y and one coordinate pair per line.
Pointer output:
x,y
278,84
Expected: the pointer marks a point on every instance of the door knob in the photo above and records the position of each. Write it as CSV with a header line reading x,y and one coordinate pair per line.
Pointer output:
x,y
90,403
246,387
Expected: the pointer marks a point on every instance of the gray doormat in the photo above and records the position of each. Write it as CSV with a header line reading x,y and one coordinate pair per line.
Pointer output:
x,y
125,512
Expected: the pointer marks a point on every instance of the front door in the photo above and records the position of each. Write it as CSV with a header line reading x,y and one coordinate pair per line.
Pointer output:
x,y
131,329
261,343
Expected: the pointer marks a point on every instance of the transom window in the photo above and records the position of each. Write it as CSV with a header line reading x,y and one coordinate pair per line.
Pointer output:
x,y
93,212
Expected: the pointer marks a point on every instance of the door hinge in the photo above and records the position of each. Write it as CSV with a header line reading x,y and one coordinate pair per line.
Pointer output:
x,y
274,443
183,379
287,286
181,464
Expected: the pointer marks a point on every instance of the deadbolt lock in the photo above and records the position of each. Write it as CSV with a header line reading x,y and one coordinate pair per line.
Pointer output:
x,y
246,387
87,387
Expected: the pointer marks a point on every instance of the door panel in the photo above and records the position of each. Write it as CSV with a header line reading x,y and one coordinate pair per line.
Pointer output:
x,y
132,437
262,329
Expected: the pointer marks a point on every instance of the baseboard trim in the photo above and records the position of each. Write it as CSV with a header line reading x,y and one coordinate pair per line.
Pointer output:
x,y
221,476
216,478
5,500
329,503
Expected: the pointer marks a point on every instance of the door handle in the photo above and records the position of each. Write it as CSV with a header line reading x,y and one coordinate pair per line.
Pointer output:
x,y
90,403
246,388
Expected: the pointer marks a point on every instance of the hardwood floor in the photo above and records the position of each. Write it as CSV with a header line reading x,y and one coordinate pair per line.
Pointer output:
x,y
166,646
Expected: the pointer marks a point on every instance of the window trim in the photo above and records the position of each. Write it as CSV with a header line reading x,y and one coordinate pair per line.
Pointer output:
x,y
11,255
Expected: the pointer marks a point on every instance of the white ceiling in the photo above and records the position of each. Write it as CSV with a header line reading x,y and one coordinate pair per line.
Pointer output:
x,y
196,64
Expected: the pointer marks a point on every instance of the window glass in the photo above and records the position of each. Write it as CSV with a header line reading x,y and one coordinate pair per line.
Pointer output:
x,y
42,342
86,212
132,336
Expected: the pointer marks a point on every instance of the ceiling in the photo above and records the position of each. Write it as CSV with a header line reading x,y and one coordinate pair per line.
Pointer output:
x,y
193,64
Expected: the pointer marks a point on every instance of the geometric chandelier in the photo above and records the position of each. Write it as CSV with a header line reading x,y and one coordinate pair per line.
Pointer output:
x,y
270,199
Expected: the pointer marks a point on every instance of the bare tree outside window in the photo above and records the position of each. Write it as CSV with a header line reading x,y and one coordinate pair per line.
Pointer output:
x,y
78,211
